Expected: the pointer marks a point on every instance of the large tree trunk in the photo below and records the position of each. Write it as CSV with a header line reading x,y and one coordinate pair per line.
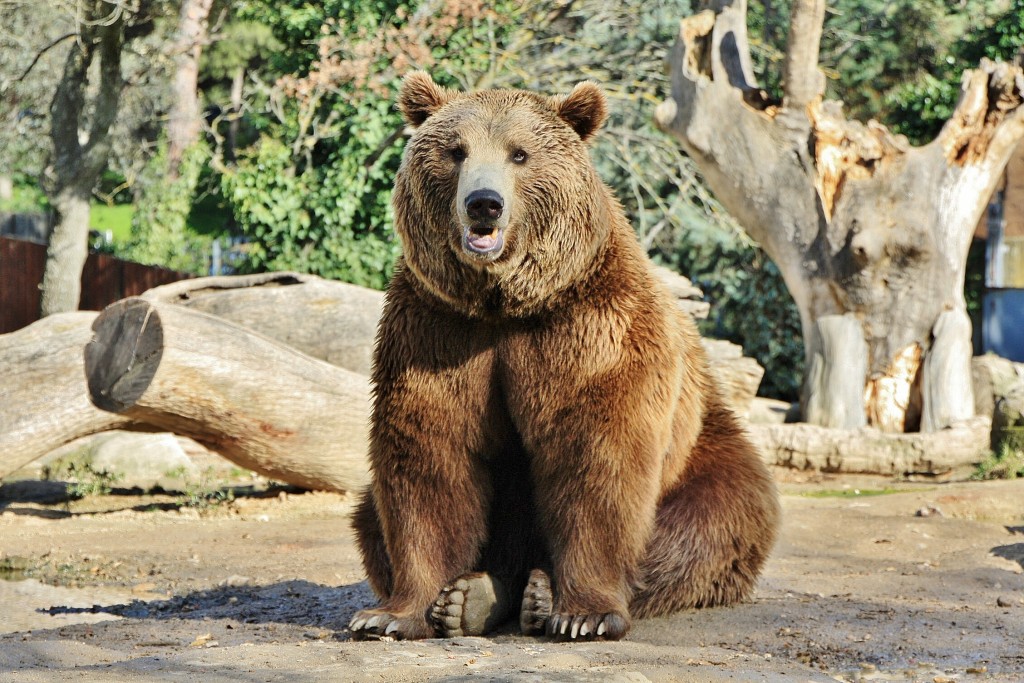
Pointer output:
x,y
80,155
183,124
870,234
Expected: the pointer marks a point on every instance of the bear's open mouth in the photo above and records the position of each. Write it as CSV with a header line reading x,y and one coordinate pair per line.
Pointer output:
x,y
483,239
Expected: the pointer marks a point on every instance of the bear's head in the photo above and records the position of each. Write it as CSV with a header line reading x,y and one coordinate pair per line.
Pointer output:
x,y
497,203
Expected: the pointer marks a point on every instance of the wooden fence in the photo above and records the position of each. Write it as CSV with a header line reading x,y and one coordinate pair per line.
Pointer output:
x,y
104,281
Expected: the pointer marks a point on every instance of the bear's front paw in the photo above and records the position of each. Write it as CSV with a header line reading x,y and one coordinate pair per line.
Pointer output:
x,y
375,623
609,626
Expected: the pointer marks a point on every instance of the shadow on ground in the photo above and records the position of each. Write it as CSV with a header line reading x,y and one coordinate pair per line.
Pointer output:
x,y
296,603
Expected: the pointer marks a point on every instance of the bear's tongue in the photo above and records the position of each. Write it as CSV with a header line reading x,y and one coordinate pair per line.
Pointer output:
x,y
482,238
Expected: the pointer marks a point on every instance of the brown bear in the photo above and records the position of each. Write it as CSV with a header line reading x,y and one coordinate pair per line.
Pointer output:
x,y
546,435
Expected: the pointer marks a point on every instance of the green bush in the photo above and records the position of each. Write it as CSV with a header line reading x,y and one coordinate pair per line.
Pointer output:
x,y
750,304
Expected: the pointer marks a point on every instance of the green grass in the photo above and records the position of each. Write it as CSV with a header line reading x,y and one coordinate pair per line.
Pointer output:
x,y
25,199
1007,463
116,218
208,217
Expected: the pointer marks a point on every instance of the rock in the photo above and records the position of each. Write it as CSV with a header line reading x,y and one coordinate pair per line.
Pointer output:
x,y
994,377
128,460
768,411
1008,422
689,297
738,376
929,511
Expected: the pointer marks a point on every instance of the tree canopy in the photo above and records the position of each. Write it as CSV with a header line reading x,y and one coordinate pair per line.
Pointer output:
x,y
301,138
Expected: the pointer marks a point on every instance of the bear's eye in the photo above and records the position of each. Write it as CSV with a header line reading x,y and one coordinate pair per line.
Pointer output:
x,y
458,154
519,157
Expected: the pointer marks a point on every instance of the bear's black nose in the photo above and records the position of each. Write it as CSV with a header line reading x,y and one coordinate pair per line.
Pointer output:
x,y
484,205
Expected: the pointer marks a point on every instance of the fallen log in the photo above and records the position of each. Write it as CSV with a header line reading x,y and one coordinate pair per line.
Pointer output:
x,y
949,453
332,321
44,401
265,406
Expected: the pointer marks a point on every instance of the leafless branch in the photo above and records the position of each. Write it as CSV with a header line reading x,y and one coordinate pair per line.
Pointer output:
x,y
39,55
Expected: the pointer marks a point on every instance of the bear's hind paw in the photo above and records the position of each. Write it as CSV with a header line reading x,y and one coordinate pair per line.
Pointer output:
x,y
537,602
472,605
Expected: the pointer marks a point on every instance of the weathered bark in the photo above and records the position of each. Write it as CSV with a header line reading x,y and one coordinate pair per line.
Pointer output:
x,y
950,453
258,403
332,321
235,115
183,122
77,163
838,361
44,398
859,223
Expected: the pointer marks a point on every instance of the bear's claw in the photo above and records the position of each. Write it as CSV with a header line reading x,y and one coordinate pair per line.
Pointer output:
x,y
610,626
370,624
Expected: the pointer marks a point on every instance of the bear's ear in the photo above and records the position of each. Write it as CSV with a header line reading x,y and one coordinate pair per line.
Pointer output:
x,y
420,97
584,109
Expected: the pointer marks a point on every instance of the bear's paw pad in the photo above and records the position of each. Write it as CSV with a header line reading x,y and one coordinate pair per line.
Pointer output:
x,y
472,605
537,604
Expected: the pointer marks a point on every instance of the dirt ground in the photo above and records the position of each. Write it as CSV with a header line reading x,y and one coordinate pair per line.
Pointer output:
x,y
871,580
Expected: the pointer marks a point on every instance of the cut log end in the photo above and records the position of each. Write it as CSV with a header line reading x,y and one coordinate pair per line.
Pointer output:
x,y
124,354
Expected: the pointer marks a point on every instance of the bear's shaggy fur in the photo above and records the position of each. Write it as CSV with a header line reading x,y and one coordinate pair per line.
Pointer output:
x,y
546,436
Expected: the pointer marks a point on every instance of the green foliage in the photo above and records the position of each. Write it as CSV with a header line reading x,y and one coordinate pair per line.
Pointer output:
x,y
313,192
898,61
25,94
242,45
298,25
750,304
919,107
82,479
1007,463
160,233
874,46
298,221
26,196
206,494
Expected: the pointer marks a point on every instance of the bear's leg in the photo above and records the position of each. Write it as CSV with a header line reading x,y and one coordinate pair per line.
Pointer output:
x,y
714,531
478,602
371,546
596,521
437,416
430,538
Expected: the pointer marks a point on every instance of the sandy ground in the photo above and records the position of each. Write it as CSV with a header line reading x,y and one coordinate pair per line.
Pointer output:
x,y
924,584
